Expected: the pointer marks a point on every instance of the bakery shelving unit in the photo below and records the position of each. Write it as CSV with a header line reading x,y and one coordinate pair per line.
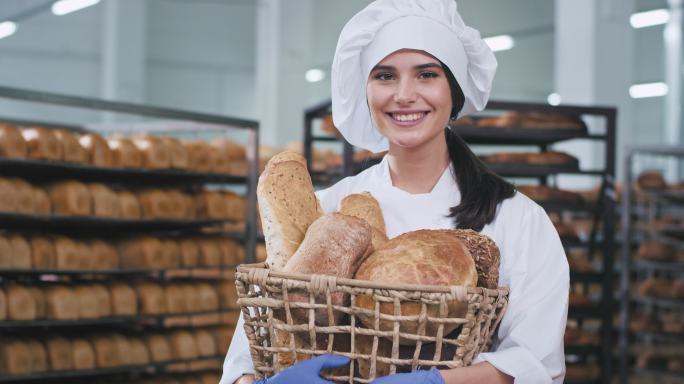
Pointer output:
x,y
106,228
601,212
640,210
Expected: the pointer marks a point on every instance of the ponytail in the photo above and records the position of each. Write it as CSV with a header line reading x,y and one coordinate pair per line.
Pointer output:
x,y
481,189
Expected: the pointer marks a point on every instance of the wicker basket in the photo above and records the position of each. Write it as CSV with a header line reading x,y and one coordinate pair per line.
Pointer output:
x,y
280,312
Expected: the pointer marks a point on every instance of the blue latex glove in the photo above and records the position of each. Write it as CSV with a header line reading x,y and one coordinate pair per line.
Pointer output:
x,y
417,377
308,371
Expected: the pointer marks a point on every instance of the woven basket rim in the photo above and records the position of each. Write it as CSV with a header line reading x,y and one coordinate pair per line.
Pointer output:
x,y
244,268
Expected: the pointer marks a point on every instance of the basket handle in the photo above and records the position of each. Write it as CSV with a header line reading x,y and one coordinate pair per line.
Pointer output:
x,y
321,283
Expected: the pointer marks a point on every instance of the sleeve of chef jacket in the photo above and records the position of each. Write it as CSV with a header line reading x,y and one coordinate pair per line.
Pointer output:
x,y
529,345
238,361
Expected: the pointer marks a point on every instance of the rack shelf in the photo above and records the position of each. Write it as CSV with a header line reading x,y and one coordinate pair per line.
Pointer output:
x,y
216,272
521,136
524,170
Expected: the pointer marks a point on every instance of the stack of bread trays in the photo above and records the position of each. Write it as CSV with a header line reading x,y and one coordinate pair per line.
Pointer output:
x,y
657,285
114,261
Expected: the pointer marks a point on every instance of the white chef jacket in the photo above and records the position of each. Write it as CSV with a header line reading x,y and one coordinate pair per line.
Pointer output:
x,y
529,342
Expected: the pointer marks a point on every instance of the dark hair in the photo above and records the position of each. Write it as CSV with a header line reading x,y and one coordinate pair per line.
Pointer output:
x,y
481,189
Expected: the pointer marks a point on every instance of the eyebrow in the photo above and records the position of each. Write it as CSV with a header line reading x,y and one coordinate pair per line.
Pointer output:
x,y
418,67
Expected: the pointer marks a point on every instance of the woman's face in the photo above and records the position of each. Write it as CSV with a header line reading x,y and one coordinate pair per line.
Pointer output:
x,y
409,98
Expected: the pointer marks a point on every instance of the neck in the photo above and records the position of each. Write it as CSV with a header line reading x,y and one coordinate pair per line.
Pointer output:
x,y
418,169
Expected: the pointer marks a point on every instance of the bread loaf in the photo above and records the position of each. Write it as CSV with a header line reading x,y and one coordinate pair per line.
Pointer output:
x,y
207,298
199,155
42,252
62,303
155,154
211,205
179,154
20,303
218,163
223,335
70,198
12,143
364,206
124,153
71,148
151,299
9,198
105,255
83,354
138,351
183,345
40,301
155,204
287,205
227,294
5,253
542,193
228,249
209,252
59,350
39,358
485,254
103,300
171,253
191,295
41,202
124,300
176,300
177,204
21,252
106,351
123,348
206,345
159,348
655,250
425,257
25,193
129,206
105,202
86,261
3,305
334,245
651,180
88,307
141,252
189,252
98,150
42,144
67,255
15,357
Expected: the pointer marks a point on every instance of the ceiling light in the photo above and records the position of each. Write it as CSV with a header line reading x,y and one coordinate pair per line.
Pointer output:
x,y
640,91
314,75
554,99
7,28
649,18
500,43
63,7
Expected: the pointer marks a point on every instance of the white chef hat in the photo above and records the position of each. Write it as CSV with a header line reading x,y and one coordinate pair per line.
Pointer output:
x,y
386,26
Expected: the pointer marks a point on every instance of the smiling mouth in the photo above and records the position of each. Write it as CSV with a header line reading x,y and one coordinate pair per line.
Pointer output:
x,y
407,118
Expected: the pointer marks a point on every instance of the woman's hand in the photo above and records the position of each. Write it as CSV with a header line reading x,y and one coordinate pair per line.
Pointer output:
x,y
308,371
417,377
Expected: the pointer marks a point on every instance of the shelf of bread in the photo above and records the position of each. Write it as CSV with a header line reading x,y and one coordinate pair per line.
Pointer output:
x,y
54,356
50,153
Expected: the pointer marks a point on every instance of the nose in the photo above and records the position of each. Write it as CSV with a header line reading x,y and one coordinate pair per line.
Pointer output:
x,y
405,93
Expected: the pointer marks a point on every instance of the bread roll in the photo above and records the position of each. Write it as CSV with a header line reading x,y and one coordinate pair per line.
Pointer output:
x,y
70,198
105,255
40,300
287,204
9,199
364,206
179,154
199,155
207,298
124,300
151,299
105,201
62,303
124,153
155,153
41,202
15,357
20,303
25,196
42,144
3,305
88,306
189,252
39,358
155,204
176,300
83,354
71,148
425,257
98,150
183,345
138,351
21,252
211,205
59,350
12,143
129,206
103,300
206,345
334,245
159,348
106,351
141,252
209,252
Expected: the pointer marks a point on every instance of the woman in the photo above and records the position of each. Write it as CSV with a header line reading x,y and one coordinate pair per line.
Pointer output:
x,y
402,70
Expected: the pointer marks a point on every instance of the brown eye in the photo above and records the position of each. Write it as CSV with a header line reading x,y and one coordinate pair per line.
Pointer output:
x,y
383,76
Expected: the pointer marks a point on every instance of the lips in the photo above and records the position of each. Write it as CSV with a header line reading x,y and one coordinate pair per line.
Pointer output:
x,y
407,118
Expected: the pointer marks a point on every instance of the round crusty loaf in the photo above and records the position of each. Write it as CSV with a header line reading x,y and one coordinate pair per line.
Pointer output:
x,y
424,257
287,205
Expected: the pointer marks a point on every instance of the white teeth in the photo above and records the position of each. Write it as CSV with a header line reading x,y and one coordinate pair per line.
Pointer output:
x,y
408,117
